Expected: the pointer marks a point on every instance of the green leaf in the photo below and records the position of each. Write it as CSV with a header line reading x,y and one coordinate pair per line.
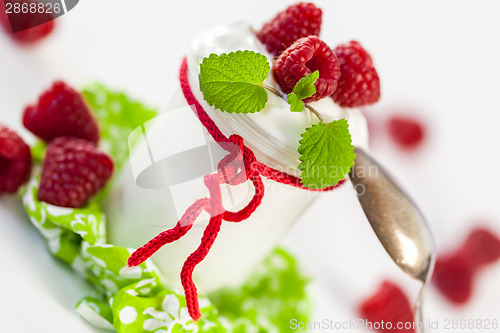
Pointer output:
x,y
305,87
296,105
118,115
38,151
233,82
327,154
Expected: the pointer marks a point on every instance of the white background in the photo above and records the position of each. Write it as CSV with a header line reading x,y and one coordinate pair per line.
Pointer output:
x,y
436,60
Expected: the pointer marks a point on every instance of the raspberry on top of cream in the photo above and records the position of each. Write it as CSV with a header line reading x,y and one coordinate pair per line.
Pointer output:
x,y
275,123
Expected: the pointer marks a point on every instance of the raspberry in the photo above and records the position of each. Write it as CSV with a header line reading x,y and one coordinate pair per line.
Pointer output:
x,y
359,83
405,131
61,111
305,56
453,277
388,304
482,246
15,161
297,21
454,273
24,21
73,170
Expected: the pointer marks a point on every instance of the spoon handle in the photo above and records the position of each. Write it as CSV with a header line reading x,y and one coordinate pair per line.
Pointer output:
x,y
397,222
419,311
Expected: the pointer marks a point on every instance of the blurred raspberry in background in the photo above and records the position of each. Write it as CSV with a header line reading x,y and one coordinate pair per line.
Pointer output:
x,y
29,27
455,273
389,305
406,131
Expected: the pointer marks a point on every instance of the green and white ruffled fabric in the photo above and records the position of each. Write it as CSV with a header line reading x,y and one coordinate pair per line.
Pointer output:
x,y
130,299
134,300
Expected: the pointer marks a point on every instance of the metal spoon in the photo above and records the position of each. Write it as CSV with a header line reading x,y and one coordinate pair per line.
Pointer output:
x,y
396,220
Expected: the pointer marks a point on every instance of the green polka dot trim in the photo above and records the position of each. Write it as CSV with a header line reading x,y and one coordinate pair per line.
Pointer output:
x,y
132,299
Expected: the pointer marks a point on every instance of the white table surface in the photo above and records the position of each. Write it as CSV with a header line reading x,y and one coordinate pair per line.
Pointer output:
x,y
438,60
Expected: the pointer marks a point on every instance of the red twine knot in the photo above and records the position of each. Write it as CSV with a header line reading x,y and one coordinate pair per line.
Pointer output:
x,y
236,168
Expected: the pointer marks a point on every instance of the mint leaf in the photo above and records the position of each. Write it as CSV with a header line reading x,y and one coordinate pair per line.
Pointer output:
x,y
296,105
233,82
305,87
327,154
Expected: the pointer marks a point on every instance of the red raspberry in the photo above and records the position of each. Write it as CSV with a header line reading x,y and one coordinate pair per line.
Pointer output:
x,y
24,21
61,111
453,277
297,21
407,132
359,83
388,304
73,170
305,56
454,273
15,161
482,246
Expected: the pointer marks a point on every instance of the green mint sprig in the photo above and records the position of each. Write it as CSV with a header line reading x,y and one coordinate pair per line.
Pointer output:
x,y
234,83
303,89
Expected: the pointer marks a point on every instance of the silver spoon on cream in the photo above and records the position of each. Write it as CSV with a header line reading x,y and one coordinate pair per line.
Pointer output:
x,y
397,222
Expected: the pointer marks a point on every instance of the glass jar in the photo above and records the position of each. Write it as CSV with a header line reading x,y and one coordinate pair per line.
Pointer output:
x,y
136,215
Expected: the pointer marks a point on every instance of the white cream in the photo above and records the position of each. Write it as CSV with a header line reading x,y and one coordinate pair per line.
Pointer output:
x,y
275,121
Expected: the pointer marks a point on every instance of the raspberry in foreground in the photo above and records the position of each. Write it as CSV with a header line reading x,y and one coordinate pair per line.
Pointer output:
x,y
73,171
407,132
15,161
390,305
359,83
25,21
61,111
305,56
297,21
